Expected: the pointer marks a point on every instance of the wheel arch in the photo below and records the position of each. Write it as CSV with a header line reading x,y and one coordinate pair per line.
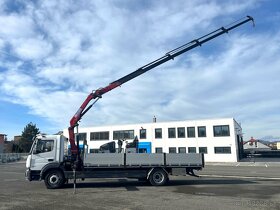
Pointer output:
x,y
49,167
156,168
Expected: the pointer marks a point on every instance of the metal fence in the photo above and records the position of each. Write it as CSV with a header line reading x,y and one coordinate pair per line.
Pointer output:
x,y
12,157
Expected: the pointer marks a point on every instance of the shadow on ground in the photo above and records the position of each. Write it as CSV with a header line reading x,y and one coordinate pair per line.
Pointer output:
x,y
131,185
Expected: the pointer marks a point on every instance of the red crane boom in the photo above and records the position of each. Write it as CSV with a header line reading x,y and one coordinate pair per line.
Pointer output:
x,y
168,56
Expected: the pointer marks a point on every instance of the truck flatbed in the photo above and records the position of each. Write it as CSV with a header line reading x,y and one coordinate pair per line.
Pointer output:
x,y
154,167
130,160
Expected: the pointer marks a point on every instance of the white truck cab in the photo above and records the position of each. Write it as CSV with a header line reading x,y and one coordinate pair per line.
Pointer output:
x,y
46,150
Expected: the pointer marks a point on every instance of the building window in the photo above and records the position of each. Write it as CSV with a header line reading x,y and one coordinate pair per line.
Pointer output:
x,y
192,150
182,149
159,150
202,150
123,134
222,150
181,132
158,133
143,133
96,136
82,136
191,132
201,130
172,149
93,150
221,130
171,133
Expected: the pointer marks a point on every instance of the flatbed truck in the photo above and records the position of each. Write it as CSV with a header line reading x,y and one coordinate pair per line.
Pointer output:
x,y
49,158
47,162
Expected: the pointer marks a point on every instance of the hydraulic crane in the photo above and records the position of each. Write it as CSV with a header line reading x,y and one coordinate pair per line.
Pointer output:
x,y
96,95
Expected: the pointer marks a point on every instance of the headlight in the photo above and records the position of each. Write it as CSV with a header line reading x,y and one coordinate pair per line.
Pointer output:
x,y
28,161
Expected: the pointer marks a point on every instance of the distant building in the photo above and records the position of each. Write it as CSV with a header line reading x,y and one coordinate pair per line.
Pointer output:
x,y
255,145
2,140
278,145
8,147
17,139
272,145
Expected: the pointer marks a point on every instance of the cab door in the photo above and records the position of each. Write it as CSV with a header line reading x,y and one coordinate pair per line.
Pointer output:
x,y
43,153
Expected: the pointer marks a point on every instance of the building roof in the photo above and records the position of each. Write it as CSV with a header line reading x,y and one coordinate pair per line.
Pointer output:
x,y
251,141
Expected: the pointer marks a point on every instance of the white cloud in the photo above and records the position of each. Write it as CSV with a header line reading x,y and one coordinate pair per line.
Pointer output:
x,y
72,48
16,26
2,43
40,100
31,48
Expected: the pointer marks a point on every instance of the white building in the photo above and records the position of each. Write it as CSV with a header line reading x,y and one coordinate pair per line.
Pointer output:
x,y
219,139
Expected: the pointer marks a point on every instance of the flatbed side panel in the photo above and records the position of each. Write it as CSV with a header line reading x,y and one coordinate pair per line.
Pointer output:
x,y
184,159
104,159
144,159
134,160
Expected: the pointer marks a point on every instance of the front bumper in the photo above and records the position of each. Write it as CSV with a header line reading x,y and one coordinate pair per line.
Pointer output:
x,y
28,174
32,175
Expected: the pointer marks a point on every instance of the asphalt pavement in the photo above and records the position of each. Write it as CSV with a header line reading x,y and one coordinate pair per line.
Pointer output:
x,y
218,187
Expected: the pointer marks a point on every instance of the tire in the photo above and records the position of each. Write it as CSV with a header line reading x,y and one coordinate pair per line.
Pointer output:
x,y
158,177
54,179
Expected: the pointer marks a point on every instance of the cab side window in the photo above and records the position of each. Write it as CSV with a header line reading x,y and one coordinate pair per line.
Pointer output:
x,y
44,146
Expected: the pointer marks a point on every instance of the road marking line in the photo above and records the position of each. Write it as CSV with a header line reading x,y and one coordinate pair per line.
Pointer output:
x,y
10,180
201,193
11,172
242,177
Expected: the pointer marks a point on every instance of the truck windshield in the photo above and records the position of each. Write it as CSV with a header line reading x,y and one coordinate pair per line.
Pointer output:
x,y
43,146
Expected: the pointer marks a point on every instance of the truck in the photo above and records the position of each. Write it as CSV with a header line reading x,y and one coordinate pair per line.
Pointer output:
x,y
51,160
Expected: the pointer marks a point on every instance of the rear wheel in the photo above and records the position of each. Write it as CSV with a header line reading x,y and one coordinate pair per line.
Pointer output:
x,y
54,179
158,177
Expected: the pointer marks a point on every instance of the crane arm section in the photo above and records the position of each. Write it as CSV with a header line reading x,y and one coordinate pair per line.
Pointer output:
x,y
168,56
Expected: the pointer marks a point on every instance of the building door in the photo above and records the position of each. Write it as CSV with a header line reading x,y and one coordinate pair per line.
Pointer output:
x,y
240,147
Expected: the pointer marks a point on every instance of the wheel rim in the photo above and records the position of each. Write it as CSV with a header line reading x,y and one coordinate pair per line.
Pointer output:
x,y
54,179
158,177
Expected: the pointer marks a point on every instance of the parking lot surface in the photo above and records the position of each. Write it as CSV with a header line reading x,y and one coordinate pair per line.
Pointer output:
x,y
219,187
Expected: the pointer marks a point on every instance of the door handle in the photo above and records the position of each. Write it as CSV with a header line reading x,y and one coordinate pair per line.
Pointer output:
x,y
50,160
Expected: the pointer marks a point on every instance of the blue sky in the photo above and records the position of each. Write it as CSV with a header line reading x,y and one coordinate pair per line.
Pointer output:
x,y
54,53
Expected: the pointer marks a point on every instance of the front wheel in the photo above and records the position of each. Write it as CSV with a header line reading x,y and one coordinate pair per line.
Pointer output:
x,y
158,177
54,179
